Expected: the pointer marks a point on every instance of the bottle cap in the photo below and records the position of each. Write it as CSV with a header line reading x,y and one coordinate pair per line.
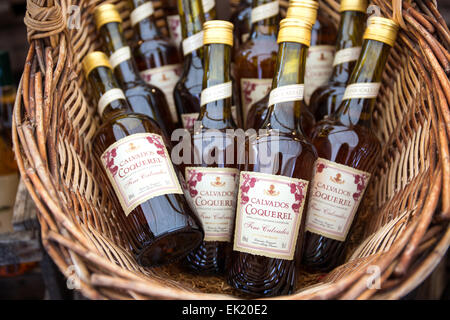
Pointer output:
x,y
353,5
303,10
5,69
94,60
295,30
106,13
218,31
381,29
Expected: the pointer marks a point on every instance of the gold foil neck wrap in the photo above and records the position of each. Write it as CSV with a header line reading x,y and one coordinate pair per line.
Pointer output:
x,y
353,5
94,60
303,10
106,13
381,29
295,30
218,31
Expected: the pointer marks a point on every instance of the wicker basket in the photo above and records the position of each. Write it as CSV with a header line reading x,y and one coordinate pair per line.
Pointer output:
x,y
403,231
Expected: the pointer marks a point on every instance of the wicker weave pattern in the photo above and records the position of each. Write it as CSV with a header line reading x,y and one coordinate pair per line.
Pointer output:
x,y
403,229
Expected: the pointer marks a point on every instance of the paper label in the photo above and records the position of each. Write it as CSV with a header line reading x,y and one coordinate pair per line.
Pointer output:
x,y
336,193
119,56
108,97
318,69
193,43
244,37
253,90
139,168
208,5
265,11
234,114
289,93
346,55
174,26
213,191
140,13
166,79
268,215
188,120
215,93
362,91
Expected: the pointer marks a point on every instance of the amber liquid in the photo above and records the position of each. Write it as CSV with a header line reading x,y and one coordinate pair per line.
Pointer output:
x,y
256,59
211,257
326,99
347,138
259,275
142,97
164,228
189,87
151,49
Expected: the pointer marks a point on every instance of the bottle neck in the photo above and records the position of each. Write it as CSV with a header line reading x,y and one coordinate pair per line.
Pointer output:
x,y
146,28
192,19
102,81
350,33
127,71
264,27
368,70
217,114
285,116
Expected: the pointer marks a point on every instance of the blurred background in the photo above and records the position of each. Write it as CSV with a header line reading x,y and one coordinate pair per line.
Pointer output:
x,y
26,272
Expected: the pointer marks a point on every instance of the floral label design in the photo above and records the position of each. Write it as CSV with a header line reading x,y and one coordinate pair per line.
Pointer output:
x,y
139,168
335,195
268,214
253,90
188,120
213,191
174,26
318,68
166,79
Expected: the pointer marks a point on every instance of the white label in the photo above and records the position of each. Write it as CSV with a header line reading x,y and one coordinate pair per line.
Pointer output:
x,y
268,214
193,43
108,97
244,37
215,93
336,193
265,11
362,91
289,93
213,191
119,56
346,55
188,120
166,79
174,26
139,168
140,13
318,69
208,5
253,90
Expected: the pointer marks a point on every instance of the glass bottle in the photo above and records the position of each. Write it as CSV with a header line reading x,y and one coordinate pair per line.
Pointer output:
x,y
148,190
274,182
325,99
156,56
348,151
305,10
213,177
142,97
173,21
189,87
256,58
241,20
319,64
